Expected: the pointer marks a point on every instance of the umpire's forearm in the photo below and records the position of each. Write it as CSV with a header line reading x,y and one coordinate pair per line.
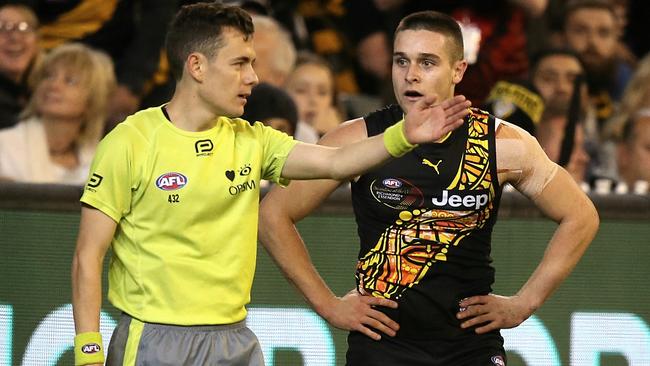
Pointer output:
x,y
86,293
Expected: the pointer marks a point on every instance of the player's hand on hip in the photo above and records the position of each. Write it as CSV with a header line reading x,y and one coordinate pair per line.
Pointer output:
x,y
490,312
355,311
427,121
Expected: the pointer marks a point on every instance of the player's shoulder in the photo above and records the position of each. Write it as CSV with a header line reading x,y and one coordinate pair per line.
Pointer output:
x,y
509,130
379,120
515,144
346,133
139,127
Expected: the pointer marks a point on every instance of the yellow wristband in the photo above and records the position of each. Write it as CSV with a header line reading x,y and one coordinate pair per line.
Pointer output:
x,y
395,140
88,349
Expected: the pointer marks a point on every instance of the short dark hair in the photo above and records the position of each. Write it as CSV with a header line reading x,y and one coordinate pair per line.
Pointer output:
x,y
267,101
575,5
198,28
436,22
553,51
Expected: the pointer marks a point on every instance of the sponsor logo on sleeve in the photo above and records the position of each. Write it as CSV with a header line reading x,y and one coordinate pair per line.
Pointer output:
x,y
94,182
171,181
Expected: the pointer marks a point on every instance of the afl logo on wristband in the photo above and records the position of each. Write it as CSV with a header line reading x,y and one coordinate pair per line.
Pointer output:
x,y
171,181
90,348
498,361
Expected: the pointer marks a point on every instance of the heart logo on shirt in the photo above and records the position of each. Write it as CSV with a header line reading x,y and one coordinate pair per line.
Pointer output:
x,y
230,174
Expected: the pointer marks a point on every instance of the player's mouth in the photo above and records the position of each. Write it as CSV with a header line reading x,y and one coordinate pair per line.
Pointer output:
x,y
412,95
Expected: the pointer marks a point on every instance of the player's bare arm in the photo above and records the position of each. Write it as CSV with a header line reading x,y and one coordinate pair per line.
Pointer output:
x,y
280,209
522,163
425,122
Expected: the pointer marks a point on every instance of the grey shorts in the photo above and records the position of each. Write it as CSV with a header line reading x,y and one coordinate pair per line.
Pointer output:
x,y
135,343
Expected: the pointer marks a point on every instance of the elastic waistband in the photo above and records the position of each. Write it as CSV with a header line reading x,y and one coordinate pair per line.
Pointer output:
x,y
191,328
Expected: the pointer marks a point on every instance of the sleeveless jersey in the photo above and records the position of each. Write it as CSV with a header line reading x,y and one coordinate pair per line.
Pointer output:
x,y
425,223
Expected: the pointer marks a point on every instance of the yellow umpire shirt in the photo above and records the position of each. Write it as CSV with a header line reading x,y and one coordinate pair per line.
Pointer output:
x,y
186,204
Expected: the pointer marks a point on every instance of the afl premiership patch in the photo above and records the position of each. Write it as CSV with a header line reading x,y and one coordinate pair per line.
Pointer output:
x,y
396,193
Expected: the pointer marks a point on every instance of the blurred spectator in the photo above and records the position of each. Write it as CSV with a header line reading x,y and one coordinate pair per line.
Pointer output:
x,y
311,84
318,26
273,107
63,121
275,51
635,97
633,152
502,49
626,134
553,73
131,31
516,102
18,53
591,29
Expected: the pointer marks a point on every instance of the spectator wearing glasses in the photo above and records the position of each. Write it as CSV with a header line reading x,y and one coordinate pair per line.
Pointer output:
x,y
18,52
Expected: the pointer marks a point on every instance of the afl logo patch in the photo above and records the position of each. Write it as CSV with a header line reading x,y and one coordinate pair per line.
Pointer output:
x,y
90,348
391,183
498,361
396,193
171,181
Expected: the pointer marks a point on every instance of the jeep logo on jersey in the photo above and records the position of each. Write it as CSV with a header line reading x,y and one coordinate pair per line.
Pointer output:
x,y
462,199
171,181
90,348
391,183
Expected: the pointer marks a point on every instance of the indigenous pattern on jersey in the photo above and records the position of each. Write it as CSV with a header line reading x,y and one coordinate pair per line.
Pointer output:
x,y
186,205
425,221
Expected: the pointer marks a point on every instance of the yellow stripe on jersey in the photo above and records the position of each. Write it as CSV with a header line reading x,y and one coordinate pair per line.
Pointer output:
x,y
186,204
132,342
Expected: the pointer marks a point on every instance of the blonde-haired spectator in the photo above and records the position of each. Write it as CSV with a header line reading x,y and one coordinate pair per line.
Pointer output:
x,y
311,85
628,132
63,120
276,53
635,97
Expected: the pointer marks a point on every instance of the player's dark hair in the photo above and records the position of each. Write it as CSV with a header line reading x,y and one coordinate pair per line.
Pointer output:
x,y
199,28
436,22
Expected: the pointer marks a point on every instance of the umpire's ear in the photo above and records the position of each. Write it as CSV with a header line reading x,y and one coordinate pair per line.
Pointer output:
x,y
196,65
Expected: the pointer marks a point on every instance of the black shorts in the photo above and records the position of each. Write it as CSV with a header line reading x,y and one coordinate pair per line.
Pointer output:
x,y
485,350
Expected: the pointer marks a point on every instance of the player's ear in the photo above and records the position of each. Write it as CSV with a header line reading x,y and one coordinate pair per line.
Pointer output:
x,y
458,71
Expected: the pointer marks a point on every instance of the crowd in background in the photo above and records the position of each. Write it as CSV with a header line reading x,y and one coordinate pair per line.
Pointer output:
x,y
573,73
